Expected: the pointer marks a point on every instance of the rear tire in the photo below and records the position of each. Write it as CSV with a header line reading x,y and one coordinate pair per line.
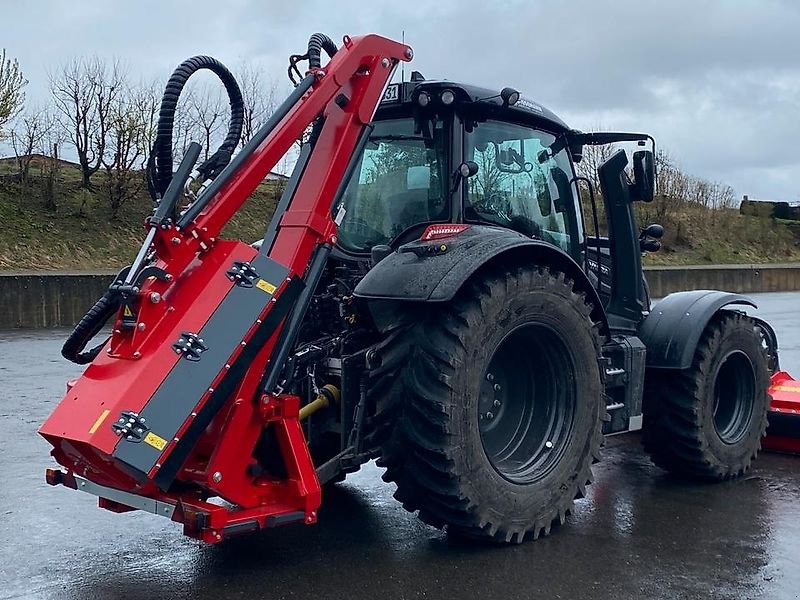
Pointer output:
x,y
707,421
498,408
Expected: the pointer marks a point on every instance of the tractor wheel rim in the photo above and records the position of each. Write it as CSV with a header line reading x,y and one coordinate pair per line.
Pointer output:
x,y
734,397
526,403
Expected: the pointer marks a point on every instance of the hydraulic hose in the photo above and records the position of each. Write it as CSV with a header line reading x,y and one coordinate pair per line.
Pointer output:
x,y
159,177
317,43
89,326
160,163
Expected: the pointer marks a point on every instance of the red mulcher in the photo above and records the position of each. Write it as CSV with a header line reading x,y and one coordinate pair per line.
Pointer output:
x,y
783,434
147,416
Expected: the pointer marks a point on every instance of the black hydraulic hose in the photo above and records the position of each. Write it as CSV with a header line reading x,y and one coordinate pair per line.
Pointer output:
x,y
89,326
317,43
160,163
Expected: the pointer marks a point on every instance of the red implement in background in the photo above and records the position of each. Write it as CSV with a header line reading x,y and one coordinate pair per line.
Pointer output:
x,y
783,433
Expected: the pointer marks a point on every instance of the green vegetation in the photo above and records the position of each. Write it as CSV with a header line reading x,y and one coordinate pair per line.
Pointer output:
x,y
697,235
78,234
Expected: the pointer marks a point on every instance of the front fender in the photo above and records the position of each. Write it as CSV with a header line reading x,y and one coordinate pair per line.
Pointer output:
x,y
673,328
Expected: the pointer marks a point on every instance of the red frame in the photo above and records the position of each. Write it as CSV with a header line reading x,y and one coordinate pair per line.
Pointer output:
x,y
221,462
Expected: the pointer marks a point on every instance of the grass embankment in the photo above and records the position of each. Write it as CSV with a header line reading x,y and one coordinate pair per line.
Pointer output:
x,y
79,234
696,235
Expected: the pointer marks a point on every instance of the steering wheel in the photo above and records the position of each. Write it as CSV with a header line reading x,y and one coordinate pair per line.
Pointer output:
x,y
491,205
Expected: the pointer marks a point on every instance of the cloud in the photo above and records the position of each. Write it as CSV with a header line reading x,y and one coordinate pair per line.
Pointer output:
x,y
717,82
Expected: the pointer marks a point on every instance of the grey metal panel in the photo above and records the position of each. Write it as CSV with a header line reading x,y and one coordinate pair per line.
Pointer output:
x,y
175,399
165,509
172,464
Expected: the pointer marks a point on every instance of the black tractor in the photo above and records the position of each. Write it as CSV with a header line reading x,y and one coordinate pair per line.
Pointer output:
x,y
470,334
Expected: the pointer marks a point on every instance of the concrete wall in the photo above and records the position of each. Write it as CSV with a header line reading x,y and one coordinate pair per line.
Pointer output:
x,y
61,299
48,299
730,278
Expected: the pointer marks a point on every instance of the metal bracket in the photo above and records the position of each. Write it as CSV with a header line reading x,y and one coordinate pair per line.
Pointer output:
x,y
130,426
242,274
189,346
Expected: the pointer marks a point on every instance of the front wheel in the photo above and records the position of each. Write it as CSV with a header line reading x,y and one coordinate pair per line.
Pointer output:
x,y
501,405
707,421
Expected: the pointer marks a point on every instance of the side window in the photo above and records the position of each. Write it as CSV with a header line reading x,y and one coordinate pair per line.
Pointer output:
x,y
400,181
520,184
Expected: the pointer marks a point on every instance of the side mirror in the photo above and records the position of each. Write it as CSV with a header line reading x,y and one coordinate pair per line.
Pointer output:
x,y
654,231
643,188
650,236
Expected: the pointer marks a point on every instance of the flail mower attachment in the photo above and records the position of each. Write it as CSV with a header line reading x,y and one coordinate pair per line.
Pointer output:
x,y
783,433
184,400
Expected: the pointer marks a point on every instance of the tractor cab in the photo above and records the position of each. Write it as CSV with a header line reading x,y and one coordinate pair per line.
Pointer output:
x,y
407,176
441,152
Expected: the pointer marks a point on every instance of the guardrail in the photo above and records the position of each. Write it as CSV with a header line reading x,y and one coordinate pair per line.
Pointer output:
x,y
44,299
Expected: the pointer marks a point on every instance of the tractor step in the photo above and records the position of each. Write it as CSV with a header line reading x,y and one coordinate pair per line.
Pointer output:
x,y
783,433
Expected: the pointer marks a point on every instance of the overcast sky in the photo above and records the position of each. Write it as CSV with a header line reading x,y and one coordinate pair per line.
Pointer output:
x,y
716,82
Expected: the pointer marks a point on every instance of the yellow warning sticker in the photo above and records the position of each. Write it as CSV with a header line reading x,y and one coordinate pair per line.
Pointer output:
x,y
266,286
155,441
127,312
99,421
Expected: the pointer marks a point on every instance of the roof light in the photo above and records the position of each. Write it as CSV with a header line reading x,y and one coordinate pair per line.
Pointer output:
x,y
423,99
447,97
510,96
442,230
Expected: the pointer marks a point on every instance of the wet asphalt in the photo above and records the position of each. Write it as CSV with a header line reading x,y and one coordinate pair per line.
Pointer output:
x,y
638,534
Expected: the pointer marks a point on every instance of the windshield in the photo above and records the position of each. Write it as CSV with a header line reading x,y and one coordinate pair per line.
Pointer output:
x,y
400,180
520,184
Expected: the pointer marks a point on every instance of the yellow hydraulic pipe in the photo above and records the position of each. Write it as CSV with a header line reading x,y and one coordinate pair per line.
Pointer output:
x,y
327,394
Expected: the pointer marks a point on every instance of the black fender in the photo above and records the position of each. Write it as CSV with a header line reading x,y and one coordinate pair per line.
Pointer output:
x,y
673,328
434,271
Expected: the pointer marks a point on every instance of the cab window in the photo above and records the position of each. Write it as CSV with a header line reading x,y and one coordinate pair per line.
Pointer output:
x,y
400,181
522,185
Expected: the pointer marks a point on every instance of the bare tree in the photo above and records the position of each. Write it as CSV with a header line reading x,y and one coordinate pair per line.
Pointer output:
x,y
183,129
260,99
147,104
84,92
489,179
50,145
593,158
129,129
209,116
26,138
12,94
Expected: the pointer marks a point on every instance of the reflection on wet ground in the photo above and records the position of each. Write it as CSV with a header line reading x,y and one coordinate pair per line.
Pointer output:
x,y
639,534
